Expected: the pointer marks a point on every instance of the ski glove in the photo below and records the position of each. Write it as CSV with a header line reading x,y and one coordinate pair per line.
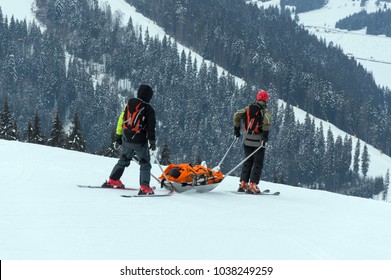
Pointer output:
x,y
237,131
152,144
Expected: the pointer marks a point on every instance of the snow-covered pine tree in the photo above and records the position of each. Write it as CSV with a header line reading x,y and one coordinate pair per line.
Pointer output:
x,y
365,159
15,130
338,161
356,159
8,129
165,154
347,154
307,162
29,133
36,134
287,144
319,154
57,135
76,140
386,185
329,162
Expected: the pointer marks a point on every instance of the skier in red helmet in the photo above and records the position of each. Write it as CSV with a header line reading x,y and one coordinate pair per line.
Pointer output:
x,y
256,119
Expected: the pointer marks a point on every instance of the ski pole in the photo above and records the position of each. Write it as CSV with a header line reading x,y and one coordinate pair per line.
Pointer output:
x,y
116,147
161,168
110,150
217,168
263,145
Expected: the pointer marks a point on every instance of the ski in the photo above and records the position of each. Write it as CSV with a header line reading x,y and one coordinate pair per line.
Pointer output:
x,y
265,192
100,187
274,193
151,195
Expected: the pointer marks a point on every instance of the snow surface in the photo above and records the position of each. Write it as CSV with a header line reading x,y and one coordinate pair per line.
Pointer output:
x,y
44,215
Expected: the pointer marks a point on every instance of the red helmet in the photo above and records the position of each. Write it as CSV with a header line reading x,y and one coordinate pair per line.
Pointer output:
x,y
263,95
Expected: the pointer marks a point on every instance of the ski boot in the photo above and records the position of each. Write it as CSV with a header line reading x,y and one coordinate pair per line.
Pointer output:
x,y
243,186
111,183
253,189
145,190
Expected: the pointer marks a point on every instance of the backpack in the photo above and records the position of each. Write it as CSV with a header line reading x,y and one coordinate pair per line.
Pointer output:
x,y
134,119
258,119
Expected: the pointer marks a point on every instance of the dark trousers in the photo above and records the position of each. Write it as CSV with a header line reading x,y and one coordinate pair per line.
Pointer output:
x,y
252,168
144,159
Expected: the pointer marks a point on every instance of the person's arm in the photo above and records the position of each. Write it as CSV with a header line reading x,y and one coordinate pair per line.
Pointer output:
x,y
238,117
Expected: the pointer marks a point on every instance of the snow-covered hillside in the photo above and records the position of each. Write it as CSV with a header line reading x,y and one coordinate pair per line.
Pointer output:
x,y
379,162
371,51
22,9
44,215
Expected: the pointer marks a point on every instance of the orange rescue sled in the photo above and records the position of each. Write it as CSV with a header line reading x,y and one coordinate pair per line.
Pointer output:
x,y
184,177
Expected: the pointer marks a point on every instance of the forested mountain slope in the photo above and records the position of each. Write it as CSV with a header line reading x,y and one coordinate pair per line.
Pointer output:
x,y
75,64
269,49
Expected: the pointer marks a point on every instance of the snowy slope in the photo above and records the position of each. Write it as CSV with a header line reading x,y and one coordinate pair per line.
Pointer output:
x,y
126,10
45,216
371,51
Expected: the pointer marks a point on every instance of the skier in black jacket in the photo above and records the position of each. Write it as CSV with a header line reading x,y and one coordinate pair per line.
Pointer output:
x,y
135,127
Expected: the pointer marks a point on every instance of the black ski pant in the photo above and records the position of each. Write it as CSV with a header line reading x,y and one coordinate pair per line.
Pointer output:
x,y
252,168
144,159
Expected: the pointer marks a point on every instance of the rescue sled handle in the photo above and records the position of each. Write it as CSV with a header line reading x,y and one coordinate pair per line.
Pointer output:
x,y
226,153
263,145
161,168
135,159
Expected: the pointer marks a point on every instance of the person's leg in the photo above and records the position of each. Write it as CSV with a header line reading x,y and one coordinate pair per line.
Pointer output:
x,y
144,158
257,166
123,162
247,165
